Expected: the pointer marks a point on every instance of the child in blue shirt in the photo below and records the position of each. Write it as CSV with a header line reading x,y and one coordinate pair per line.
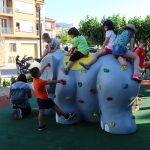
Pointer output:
x,y
119,49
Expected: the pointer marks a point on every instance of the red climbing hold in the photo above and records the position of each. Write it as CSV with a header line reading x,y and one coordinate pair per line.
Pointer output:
x,y
81,101
94,91
109,98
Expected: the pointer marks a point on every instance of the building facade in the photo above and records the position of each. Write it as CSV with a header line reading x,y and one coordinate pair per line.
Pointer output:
x,y
19,29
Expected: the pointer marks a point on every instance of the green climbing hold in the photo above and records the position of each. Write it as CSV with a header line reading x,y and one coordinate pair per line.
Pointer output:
x,y
68,98
113,124
83,70
124,67
80,84
98,86
125,86
106,70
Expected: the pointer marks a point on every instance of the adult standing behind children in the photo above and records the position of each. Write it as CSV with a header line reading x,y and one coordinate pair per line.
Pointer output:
x,y
53,44
44,102
78,50
110,36
120,50
20,92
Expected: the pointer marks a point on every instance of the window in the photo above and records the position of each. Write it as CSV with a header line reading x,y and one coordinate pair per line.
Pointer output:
x,y
12,47
17,26
23,7
4,23
24,26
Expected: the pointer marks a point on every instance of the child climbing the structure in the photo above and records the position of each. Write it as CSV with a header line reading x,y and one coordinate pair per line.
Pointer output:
x,y
79,49
126,36
107,45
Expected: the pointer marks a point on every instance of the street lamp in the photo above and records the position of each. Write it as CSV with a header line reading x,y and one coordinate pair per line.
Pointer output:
x,y
39,4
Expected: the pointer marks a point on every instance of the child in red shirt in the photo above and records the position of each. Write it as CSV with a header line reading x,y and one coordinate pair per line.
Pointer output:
x,y
140,51
44,102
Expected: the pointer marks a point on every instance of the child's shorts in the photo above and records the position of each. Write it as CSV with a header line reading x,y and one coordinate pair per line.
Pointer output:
x,y
76,56
108,50
45,103
119,50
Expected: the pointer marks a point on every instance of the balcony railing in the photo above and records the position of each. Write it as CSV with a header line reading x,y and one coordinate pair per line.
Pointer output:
x,y
6,10
6,30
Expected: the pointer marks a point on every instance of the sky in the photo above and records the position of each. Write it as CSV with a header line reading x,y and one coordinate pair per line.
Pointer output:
x,y
72,11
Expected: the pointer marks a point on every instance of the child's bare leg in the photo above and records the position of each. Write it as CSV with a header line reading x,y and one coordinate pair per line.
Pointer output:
x,y
67,68
97,55
40,117
134,56
58,111
67,116
122,61
70,63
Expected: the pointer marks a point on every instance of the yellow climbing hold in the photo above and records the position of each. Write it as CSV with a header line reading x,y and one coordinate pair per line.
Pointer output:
x,y
113,124
76,65
124,67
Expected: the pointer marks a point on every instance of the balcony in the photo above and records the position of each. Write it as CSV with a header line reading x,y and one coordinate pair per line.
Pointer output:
x,y
7,10
6,30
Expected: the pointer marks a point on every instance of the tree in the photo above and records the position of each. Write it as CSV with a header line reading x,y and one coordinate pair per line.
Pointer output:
x,y
63,36
119,22
143,26
92,30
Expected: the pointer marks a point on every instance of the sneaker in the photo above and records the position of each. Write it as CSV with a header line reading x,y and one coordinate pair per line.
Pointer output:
x,y
65,70
42,128
137,76
86,66
69,116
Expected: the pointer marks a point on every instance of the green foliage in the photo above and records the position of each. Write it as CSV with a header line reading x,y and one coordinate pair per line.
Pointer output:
x,y
63,36
5,83
92,30
119,22
12,79
29,78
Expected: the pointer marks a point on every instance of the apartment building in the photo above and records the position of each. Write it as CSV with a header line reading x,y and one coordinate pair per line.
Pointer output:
x,y
19,29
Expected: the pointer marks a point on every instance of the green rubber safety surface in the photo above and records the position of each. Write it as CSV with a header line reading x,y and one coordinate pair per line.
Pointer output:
x,y
23,134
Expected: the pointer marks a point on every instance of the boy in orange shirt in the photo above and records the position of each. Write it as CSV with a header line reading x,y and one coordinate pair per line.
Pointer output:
x,y
44,102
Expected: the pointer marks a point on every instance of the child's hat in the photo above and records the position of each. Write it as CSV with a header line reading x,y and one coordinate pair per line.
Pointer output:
x,y
131,26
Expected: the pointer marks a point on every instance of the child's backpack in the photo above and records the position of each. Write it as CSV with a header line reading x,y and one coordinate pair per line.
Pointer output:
x,y
18,96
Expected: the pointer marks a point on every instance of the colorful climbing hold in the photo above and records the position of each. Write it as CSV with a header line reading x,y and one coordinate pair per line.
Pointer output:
x,y
80,84
81,101
83,70
109,98
95,114
106,70
113,124
125,86
124,67
67,98
98,86
94,91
